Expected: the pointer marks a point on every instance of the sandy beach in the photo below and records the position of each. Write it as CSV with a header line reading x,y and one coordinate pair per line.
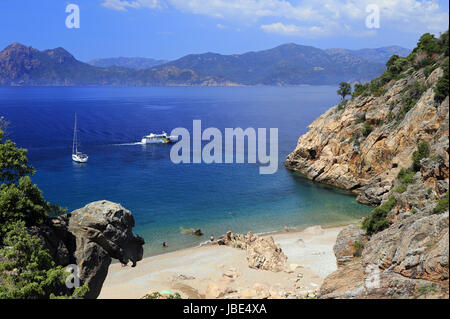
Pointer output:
x,y
213,271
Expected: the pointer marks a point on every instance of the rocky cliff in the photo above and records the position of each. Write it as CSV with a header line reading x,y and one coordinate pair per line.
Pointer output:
x,y
389,145
362,144
90,237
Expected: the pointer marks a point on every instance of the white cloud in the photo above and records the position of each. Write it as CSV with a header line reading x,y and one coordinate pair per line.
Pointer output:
x,y
308,16
281,28
246,9
122,5
221,26
293,30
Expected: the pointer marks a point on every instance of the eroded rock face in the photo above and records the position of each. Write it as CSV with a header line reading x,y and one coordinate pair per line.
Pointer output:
x,y
407,260
90,237
416,247
335,151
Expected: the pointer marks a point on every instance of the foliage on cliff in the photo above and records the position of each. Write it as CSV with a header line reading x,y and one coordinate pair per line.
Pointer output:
x,y
423,56
26,268
427,48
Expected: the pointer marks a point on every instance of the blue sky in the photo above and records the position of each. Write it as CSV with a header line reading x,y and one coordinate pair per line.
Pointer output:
x,y
168,29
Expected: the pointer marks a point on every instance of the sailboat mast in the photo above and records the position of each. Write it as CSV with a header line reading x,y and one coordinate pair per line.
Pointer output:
x,y
75,142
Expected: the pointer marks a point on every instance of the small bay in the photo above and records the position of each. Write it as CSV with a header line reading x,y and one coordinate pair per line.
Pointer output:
x,y
164,197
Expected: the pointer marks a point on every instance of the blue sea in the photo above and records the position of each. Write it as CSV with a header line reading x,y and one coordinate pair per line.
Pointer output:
x,y
164,197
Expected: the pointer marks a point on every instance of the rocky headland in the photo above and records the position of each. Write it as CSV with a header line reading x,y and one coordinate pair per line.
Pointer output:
x,y
389,144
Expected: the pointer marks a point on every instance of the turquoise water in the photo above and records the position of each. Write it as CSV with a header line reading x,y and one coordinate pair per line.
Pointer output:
x,y
165,197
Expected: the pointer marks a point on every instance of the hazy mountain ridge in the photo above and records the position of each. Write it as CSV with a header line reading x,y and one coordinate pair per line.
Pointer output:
x,y
378,55
288,64
21,65
135,63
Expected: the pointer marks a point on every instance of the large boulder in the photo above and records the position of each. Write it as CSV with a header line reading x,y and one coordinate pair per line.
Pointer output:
x,y
345,249
90,237
262,252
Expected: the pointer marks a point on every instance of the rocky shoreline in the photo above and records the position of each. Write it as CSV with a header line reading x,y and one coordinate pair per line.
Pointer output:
x,y
274,266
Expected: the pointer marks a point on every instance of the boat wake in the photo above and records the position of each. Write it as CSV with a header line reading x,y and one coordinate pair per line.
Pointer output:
x,y
129,144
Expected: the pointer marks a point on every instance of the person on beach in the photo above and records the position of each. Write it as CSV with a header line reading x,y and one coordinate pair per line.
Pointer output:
x,y
164,244
212,238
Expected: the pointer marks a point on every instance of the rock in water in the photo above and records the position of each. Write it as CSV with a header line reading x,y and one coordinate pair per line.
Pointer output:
x,y
90,237
198,232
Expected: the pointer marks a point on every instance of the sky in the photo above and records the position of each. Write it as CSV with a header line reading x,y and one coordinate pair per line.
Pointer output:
x,y
169,29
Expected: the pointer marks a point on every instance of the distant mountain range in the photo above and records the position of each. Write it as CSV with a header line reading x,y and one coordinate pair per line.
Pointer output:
x,y
288,64
22,65
380,55
130,63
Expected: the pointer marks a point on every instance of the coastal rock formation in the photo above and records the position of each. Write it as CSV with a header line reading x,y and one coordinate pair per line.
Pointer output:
x,y
362,144
407,260
262,252
389,145
90,237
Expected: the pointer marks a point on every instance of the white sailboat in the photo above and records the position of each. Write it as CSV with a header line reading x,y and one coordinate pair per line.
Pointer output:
x,y
77,156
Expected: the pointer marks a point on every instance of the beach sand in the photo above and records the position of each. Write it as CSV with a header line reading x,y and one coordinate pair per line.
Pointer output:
x,y
199,272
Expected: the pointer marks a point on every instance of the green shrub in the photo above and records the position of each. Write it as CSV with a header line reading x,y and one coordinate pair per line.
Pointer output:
x,y
423,151
425,290
361,89
367,129
442,205
428,70
400,189
157,295
442,86
377,221
406,177
425,62
26,268
428,44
